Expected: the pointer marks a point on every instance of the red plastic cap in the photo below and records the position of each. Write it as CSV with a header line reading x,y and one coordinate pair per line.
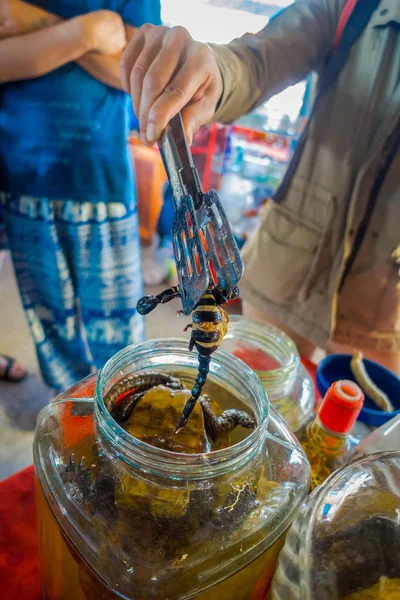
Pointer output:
x,y
341,406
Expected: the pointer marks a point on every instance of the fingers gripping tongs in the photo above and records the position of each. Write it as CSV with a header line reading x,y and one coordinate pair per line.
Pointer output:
x,y
206,253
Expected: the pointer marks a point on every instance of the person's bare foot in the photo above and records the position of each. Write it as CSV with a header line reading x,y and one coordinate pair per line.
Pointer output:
x,y
11,369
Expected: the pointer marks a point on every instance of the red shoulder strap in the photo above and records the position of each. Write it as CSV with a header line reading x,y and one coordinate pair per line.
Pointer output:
x,y
344,17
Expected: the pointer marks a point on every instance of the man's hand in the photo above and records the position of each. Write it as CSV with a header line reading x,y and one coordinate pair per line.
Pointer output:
x,y
166,71
103,31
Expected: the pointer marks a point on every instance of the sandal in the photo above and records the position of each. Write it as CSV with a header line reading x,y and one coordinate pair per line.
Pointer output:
x,y
6,375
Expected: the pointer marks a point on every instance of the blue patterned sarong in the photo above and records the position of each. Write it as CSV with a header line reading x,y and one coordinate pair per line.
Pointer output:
x,y
79,274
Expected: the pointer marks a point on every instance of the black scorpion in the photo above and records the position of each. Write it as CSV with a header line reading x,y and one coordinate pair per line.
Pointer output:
x,y
209,326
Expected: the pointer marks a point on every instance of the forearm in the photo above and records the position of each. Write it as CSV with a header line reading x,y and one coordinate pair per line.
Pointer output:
x,y
28,18
103,68
256,67
40,52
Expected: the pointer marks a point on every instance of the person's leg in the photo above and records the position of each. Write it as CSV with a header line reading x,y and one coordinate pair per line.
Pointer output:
x,y
104,253
47,290
389,360
10,368
304,347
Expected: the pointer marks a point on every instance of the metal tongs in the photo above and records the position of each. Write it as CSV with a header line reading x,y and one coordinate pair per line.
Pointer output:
x,y
206,253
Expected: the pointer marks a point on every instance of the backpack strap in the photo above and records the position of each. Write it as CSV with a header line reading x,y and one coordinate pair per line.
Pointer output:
x,y
352,23
344,17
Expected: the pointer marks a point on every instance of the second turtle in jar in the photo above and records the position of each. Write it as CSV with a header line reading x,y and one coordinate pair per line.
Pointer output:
x,y
146,405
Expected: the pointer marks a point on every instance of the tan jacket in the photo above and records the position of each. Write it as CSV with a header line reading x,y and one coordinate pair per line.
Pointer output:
x,y
296,260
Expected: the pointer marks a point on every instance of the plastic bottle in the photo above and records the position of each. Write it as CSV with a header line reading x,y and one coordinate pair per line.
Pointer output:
x,y
327,441
383,439
236,196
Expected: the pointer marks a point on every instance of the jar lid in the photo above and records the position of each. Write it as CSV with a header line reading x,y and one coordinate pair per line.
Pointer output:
x,y
341,406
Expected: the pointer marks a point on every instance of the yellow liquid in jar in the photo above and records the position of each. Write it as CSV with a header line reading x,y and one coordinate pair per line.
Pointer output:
x,y
325,452
66,575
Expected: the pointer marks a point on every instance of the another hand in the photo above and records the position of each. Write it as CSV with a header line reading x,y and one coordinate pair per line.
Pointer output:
x,y
104,31
166,71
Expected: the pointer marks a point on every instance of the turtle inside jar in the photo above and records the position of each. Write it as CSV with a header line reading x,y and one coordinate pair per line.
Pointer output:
x,y
147,406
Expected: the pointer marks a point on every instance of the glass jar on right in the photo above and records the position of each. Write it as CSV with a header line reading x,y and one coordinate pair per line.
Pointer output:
x,y
275,359
345,541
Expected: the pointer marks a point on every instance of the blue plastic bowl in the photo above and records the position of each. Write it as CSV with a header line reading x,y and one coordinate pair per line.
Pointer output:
x,y
337,366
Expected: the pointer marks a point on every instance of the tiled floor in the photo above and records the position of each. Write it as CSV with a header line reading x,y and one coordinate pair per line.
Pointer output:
x,y
20,403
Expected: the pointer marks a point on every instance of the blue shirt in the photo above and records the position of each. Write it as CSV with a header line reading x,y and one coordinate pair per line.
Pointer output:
x,y
64,135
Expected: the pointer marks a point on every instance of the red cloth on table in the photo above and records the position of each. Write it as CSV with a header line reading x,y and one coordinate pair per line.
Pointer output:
x,y
19,552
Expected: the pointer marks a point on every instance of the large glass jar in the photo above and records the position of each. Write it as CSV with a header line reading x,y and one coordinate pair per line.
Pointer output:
x,y
275,359
119,518
345,541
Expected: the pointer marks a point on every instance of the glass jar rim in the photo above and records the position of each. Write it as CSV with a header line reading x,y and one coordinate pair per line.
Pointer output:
x,y
156,461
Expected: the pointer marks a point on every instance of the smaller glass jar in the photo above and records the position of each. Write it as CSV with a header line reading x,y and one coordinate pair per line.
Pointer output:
x,y
345,541
275,359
